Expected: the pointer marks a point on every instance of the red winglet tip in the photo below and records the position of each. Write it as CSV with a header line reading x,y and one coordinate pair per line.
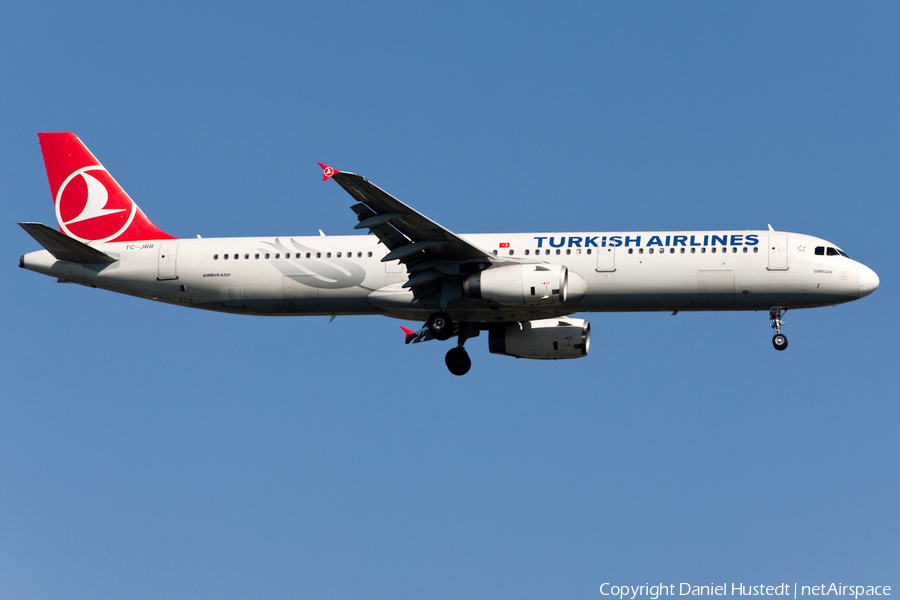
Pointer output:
x,y
327,171
410,334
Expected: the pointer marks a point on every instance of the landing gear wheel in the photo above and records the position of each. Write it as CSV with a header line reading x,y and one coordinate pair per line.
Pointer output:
x,y
458,361
779,341
440,325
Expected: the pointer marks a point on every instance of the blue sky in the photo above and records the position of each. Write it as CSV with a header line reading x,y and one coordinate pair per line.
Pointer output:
x,y
148,451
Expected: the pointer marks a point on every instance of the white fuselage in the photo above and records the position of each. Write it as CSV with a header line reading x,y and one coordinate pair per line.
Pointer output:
x,y
632,271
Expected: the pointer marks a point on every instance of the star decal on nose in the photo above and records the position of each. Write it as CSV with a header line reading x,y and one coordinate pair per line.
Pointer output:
x,y
801,248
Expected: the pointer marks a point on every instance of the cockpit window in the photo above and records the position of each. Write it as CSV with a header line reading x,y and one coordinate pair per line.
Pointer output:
x,y
832,252
820,250
842,253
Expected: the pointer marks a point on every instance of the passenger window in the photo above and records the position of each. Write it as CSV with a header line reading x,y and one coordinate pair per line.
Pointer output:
x,y
267,255
247,255
495,253
558,252
640,251
370,255
714,250
257,255
682,250
527,251
588,250
702,250
650,251
631,251
820,250
693,250
359,255
215,257
734,250
755,250
832,251
578,251
278,255
547,251
318,255
511,252
568,251
338,254
745,249
308,254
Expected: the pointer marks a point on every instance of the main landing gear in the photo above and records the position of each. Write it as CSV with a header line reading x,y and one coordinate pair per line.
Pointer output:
x,y
779,340
442,327
458,361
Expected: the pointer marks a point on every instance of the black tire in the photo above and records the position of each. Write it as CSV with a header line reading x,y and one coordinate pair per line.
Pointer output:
x,y
440,325
458,361
779,341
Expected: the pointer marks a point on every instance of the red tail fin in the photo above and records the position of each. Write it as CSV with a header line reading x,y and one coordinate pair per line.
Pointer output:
x,y
90,205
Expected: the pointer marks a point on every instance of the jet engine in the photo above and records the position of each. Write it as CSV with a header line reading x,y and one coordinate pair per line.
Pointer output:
x,y
548,339
519,285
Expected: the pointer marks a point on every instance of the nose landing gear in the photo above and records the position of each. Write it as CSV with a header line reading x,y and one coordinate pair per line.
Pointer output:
x,y
780,340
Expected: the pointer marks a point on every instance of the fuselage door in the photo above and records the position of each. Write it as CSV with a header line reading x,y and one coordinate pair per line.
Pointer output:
x,y
606,260
778,253
168,251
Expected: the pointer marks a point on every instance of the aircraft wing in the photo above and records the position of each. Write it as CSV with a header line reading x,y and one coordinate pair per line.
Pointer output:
x,y
429,250
386,217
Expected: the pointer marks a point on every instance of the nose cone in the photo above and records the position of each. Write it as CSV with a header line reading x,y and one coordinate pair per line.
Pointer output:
x,y
868,281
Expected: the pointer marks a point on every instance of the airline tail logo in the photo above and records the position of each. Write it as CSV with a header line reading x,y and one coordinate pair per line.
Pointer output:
x,y
90,205
85,210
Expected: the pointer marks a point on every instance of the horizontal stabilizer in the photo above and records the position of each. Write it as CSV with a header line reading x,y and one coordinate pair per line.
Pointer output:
x,y
62,247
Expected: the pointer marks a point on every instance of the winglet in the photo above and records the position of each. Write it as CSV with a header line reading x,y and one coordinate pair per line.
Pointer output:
x,y
327,171
410,334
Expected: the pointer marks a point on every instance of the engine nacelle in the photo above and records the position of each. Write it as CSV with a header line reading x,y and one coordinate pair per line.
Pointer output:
x,y
519,285
547,339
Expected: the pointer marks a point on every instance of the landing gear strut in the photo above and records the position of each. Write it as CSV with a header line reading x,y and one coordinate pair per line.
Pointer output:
x,y
457,359
780,340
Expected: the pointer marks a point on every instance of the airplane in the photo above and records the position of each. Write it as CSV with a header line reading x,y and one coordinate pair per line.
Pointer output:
x,y
521,288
